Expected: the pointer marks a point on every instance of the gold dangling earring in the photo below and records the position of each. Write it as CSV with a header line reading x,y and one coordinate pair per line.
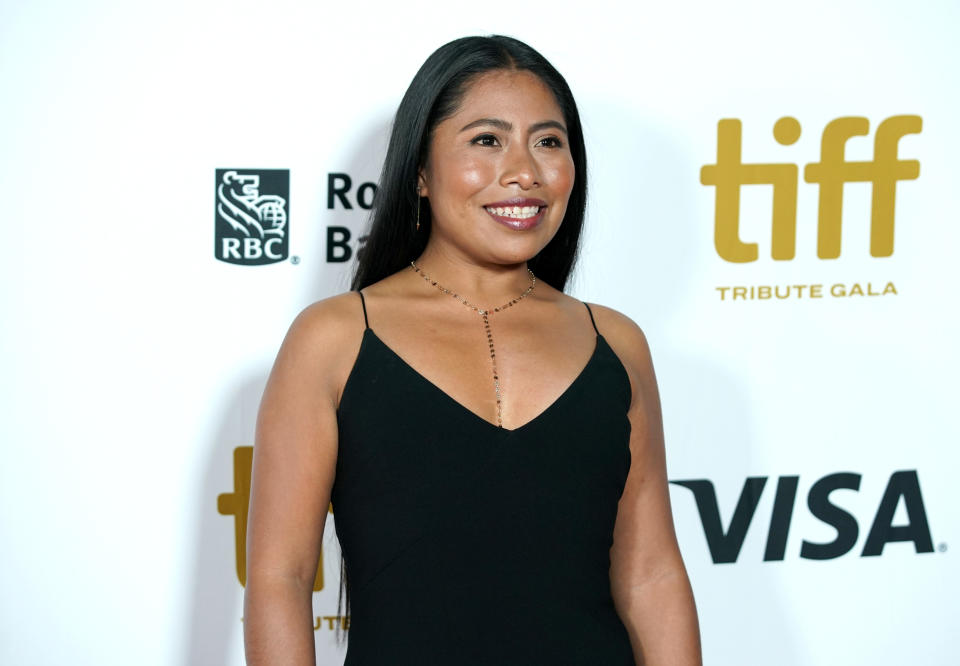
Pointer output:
x,y
418,208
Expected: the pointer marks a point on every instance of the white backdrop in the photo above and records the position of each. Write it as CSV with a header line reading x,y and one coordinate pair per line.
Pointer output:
x,y
133,361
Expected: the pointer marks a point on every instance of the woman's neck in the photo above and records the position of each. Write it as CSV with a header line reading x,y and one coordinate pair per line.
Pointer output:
x,y
483,284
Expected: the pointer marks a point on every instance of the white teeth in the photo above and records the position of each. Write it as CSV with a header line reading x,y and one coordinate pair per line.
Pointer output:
x,y
518,212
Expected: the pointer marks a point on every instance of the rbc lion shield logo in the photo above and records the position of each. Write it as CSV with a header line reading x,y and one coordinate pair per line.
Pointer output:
x,y
252,219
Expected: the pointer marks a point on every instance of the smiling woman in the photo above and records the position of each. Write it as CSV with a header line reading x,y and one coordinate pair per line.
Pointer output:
x,y
492,446
523,148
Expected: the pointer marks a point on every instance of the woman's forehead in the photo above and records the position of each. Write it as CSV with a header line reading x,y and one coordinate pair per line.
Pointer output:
x,y
506,94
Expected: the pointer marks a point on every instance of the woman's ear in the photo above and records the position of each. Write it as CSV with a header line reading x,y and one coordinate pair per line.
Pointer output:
x,y
422,184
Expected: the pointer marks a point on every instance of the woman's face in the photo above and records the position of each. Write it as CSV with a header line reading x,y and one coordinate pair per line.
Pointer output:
x,y
499,171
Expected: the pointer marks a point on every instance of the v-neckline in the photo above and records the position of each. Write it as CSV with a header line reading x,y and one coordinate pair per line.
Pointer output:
x,y
469,412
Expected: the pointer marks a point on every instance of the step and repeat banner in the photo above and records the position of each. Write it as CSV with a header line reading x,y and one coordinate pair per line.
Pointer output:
x,y
773,199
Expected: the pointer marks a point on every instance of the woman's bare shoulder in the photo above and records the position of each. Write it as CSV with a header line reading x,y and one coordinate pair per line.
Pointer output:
x,y
627,340
323,341
616,326
330,318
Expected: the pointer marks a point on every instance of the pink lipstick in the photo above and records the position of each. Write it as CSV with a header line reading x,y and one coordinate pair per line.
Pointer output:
x,y
520,213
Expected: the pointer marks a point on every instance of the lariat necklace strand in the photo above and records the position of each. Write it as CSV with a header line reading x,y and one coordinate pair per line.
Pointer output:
x,y
486,324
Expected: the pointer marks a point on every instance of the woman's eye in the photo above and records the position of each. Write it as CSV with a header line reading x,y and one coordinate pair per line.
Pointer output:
x,y
485,140
550,142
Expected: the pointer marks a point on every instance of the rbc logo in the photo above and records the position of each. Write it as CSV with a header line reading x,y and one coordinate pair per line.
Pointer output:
x,y
830,173
252,215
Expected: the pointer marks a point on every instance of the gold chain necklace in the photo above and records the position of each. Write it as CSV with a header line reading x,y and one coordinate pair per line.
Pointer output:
x,y
486,324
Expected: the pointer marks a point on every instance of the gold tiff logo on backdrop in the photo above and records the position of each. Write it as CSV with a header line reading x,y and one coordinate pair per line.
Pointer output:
x,y
830,173
236,504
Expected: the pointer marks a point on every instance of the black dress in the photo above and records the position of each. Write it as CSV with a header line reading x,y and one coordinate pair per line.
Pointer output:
x,y
468,544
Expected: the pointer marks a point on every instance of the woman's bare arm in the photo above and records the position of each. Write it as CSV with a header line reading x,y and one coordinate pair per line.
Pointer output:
x,y
648,579
294,459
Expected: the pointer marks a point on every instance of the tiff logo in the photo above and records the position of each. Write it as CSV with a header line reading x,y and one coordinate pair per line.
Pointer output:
x,y
830,173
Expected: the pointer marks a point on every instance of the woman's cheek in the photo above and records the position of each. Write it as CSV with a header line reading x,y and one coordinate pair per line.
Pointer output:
x,y
475,174
562,177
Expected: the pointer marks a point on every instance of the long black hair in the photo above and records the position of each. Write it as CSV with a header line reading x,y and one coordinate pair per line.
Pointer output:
x,y
434,95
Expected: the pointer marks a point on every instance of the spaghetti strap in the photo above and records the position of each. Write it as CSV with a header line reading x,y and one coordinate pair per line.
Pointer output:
x,y
591,319
364,304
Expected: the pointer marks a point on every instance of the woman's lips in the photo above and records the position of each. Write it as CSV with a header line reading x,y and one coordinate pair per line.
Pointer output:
x,y
518,213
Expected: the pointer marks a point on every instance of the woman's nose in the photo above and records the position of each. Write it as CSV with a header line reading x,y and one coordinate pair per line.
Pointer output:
x,y
519,167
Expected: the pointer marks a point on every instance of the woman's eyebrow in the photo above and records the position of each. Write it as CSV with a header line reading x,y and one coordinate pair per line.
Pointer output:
x,y
506,127
547,124
489,122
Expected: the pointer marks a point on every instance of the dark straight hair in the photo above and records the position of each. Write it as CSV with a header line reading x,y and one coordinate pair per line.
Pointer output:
x,y
434,95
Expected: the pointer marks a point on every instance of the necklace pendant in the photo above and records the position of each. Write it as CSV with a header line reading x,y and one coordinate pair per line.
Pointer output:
x,y
486,325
